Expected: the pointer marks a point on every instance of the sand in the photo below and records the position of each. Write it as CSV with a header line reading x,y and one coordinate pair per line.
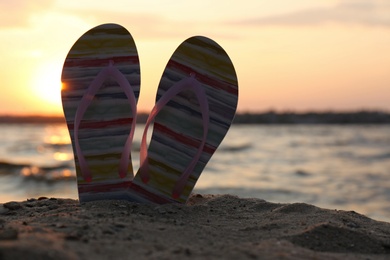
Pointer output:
x,y
208,227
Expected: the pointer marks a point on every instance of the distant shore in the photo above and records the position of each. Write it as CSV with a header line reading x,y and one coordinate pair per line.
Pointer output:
x,y
359,117
269,117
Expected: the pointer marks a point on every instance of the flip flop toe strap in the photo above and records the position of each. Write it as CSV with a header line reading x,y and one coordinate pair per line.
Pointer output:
x,y
189,83
104,74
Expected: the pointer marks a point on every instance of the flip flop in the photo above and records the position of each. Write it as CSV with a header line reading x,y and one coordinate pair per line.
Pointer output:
x,y
195,105
100,89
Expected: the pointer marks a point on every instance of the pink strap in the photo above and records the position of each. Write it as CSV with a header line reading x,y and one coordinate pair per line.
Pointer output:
x,y
186,84
86,100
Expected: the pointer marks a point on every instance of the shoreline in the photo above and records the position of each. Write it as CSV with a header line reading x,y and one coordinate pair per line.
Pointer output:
x,y
207,227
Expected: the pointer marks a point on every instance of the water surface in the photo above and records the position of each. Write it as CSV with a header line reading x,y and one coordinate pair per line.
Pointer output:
x,y
331,166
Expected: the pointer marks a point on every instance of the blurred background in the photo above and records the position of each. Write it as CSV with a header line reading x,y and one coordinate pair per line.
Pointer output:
x,y
289,55
296,62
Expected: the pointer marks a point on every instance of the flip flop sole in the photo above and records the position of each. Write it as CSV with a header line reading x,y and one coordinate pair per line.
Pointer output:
x,y
178,128
107,121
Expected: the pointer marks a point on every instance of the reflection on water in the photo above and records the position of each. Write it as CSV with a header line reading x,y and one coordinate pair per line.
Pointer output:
x,y
340,167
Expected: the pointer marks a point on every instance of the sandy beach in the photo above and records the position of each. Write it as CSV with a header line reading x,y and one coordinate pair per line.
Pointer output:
x,y
207,227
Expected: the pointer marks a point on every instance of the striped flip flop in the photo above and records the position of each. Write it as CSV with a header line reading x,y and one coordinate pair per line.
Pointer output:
x,y
195,105
100,89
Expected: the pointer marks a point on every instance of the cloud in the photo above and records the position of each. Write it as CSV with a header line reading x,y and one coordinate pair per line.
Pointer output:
x,y
151,25
17,13
363,12
143,23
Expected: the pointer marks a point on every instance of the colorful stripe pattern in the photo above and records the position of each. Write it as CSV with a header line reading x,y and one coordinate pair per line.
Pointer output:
x,y
107,122
177,131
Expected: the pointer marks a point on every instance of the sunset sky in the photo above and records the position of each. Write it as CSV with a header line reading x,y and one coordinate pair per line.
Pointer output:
x,y
289,55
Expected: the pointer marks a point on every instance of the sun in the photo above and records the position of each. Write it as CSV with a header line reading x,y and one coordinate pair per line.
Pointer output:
x,y
47,84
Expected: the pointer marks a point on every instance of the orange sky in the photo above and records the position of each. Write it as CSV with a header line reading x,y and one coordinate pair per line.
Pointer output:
x,y
305,55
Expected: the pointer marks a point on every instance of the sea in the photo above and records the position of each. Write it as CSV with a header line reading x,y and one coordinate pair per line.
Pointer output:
x,y
338,167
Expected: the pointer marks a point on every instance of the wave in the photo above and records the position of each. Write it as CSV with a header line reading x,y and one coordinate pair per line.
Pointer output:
x,y
361,157
381,156
57,146
53,175
60,172
235,147
10,168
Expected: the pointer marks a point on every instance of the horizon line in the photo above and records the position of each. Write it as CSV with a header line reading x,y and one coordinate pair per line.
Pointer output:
x,y
265,117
